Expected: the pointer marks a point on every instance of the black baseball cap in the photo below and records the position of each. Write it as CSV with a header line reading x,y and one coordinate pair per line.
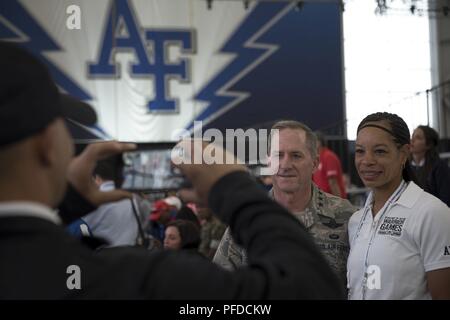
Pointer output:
x,y
30,99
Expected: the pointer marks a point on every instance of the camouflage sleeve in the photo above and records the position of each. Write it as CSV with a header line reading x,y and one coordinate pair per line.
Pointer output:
x,y
342,208
229,255
217,233
348,209
333,239
204,243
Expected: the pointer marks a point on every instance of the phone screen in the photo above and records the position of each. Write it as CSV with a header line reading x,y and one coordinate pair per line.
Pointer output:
x,y
151,170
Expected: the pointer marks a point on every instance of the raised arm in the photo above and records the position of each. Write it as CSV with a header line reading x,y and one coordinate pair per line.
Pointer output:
x,y
283,260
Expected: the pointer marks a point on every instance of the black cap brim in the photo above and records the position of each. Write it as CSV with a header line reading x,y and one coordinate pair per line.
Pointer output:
x,y
77,110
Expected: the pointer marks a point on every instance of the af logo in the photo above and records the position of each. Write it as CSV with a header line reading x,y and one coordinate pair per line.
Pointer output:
x,y
150,47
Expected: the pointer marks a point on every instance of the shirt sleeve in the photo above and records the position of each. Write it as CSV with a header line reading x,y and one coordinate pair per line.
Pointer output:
x,y
353,224
432,234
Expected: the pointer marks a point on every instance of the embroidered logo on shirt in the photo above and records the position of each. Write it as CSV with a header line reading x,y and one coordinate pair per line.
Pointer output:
x,y
306,218
334,236
330,223
392,226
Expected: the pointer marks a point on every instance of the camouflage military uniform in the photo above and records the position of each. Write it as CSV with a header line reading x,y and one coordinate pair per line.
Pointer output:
x,y
326,219
211,233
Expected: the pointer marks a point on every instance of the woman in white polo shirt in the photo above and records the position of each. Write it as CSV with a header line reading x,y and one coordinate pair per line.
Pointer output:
x,y
400,240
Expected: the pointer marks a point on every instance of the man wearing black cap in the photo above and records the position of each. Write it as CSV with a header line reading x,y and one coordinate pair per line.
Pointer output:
x,y
39,260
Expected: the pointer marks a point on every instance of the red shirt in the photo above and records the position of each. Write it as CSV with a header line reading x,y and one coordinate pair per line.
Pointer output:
x,y
329,167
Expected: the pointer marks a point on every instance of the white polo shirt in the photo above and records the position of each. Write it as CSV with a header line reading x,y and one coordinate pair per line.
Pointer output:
x,y
391,253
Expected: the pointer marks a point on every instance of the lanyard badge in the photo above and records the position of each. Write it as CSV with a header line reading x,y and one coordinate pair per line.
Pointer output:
x,y
387,207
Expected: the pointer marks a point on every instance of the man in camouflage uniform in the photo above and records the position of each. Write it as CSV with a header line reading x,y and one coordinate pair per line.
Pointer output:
x,y
325,216
211,232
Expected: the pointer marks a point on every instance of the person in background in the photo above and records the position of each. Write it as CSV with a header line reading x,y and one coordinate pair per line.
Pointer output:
x,y
211,228
433,174
160,216
212,231
267,181
114,222
182,235
186,213
164,211
328,176
357,196
400,240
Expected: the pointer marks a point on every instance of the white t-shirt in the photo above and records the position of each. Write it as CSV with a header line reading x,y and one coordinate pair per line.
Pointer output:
x,y
114,221
391,253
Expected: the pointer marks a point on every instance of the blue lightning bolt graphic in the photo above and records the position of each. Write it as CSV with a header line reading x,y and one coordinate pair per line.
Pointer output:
x,y
16,24
249,55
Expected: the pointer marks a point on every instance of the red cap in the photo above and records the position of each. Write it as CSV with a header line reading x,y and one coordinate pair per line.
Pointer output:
x,y
158,207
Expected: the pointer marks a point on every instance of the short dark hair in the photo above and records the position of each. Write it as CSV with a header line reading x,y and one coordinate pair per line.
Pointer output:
x,y
311,139
186,213
111,169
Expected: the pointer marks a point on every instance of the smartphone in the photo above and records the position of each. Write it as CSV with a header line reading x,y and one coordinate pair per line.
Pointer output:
x,y
150,169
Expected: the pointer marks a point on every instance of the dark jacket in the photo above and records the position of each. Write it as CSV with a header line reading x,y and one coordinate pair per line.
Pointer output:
x,y
437,182
284,263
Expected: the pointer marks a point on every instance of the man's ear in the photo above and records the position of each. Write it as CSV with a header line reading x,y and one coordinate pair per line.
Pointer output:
x,y
316,161
44,146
